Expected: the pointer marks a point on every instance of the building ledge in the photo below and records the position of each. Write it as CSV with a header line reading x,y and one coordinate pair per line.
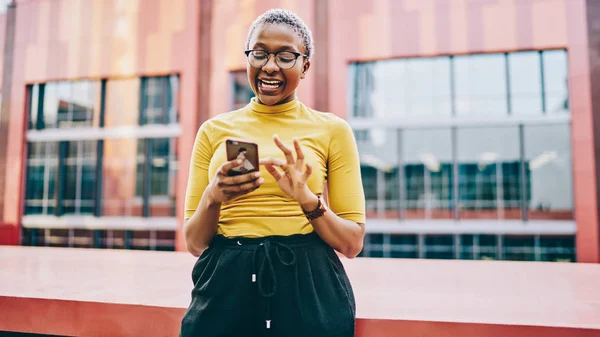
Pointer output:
x,y
138,293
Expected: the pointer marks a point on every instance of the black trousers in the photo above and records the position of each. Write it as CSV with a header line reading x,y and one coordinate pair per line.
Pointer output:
x,y
284,286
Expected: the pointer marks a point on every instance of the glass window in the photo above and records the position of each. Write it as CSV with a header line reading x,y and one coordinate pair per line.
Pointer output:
x,y
489,174
378,151
34,91
548,159
404,246
42,162
427,83
80,178
163,170
556,80
159,100
427,159
557,248
415,87
525,83
71,104
487,247
122,102
519,248
119,178
242,92
480,84
439,247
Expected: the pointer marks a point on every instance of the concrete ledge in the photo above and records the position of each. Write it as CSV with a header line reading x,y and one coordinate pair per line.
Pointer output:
x,y
81,292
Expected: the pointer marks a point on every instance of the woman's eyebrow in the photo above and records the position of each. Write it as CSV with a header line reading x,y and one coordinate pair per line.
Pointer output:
x,y
282,48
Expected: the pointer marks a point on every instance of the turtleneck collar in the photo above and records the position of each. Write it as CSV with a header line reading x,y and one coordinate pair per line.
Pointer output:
x,y
272,109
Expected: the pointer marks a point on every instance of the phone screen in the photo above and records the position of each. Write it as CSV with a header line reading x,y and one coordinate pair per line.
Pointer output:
x,y
247,152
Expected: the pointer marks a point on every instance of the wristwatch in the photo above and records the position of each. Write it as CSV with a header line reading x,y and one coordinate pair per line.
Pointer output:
x,y
318,212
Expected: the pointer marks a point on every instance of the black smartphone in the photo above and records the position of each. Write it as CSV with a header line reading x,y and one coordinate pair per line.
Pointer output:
x,y
244,150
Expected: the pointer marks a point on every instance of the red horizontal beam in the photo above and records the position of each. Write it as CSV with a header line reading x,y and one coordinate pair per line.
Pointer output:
x,y
134,293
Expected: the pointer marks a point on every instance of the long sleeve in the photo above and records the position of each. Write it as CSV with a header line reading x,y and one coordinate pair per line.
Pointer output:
x,y
345,189
198,176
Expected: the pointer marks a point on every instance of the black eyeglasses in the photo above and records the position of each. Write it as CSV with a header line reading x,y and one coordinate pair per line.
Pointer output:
x,y
283,59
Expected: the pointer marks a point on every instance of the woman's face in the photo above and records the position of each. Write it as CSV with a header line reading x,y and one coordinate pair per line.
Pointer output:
x,y
274,38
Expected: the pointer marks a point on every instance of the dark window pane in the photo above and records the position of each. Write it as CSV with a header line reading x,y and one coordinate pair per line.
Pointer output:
x,y
525,83
557,249
379,169
439,247
427,157
33,108
42,160
242,92
159,100
489,174
71,104
480,84
80,177
519,248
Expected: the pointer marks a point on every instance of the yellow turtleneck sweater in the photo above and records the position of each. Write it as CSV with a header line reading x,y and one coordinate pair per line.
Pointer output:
x,y
328,144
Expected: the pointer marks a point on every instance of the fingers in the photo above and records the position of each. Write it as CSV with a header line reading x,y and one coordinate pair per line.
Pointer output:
x,y
308,172
238,180
299,155
272,161
224,170
286,151
243,188
274,172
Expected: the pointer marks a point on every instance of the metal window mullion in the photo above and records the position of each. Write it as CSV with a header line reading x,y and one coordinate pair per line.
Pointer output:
x,y
542,80
61,178
457,246
401,183
79,177
499,189
455,173
380,193
46,188
143,119
164,107
99,182
427,191
452,87
537,249
40,124
146,178
499,247
421,245
507,74
524,206
476,248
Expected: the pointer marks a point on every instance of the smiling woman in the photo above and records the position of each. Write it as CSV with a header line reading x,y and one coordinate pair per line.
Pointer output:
x,y
266,240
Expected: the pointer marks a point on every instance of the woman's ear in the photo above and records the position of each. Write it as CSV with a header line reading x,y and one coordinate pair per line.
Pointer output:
x,y
305,69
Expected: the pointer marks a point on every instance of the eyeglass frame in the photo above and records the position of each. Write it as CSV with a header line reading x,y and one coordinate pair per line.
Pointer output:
x,y
247,52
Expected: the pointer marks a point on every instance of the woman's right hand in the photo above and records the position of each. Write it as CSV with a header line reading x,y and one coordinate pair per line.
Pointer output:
x,y
224,187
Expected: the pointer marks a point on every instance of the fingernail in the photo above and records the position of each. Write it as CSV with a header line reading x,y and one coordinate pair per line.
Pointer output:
x,y
260,181
257,174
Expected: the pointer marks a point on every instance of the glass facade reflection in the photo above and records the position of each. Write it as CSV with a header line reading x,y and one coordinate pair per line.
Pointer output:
x,y
103,177
550,248
465,137
482,85
241,92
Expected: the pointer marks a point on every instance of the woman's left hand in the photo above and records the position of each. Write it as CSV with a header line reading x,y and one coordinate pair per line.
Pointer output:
x,y
289,174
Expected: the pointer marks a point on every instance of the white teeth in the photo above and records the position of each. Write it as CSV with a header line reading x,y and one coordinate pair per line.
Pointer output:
x,y
271,82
